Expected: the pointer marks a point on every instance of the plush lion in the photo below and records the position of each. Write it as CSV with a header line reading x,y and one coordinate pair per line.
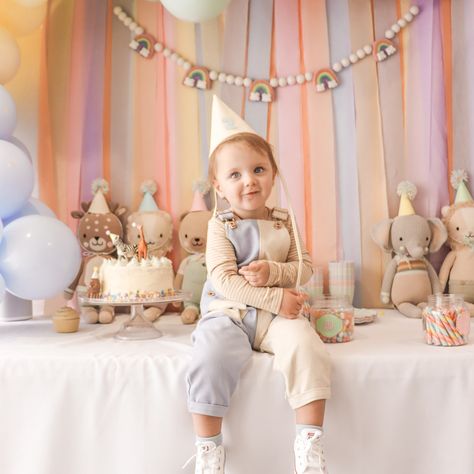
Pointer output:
x,y
95,219
457,271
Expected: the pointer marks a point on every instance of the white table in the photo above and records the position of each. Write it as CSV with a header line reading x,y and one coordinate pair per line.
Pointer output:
x,y
85,403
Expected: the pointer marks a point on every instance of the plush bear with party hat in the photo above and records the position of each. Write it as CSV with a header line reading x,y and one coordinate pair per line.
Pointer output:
x,y
157,228
192,272
96,219
409,278
457,270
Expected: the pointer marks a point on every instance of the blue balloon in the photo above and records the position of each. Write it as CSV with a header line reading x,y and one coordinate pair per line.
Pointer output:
x,y
2,288
7,114
1,229
39,257
31,208
16,179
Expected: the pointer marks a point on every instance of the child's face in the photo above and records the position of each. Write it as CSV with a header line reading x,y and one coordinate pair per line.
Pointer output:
x,y
245,178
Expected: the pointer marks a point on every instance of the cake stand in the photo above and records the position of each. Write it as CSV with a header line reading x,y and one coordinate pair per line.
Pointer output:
x,y
137,328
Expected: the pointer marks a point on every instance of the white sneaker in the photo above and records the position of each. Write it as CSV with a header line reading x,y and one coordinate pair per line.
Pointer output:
x,y
210,459
309,456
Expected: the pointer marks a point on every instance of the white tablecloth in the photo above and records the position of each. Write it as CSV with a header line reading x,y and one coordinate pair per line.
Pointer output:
x,y
86,403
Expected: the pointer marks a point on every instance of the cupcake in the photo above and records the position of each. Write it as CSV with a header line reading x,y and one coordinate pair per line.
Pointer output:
x,y
66,319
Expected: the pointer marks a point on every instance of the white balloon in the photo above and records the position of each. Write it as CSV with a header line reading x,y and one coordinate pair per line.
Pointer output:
x,y
2,288
1,229
21,19
195,11
30,3
7,114
20,145
32,207
10,56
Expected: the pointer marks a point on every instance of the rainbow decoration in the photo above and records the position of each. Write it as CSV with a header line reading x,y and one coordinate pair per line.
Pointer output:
x,y
261,91
198,77
382,49
143,45
325,79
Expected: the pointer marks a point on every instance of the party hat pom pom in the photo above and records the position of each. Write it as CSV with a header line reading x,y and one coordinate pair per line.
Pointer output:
x,y
149,186
202,186
457,177
408,188
100,184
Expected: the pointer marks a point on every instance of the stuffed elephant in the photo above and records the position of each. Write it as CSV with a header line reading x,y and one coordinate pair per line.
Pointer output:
x,y
409,277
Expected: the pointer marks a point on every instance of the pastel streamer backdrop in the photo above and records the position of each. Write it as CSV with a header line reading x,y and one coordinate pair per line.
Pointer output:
x,y
105,111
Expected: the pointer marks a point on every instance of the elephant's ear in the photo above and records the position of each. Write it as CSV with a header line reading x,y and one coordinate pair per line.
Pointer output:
x,y
381,234
439,234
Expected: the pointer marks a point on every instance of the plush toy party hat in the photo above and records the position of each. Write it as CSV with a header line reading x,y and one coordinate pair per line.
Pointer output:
x,y
99,204
407,192
225,123
459,179
148,204
200,188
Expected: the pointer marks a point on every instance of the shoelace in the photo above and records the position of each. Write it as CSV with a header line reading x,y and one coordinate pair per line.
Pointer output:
x,y
205,458
306,448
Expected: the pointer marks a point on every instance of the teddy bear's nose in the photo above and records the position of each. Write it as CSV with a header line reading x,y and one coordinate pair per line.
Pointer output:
x,y
196,239
97,237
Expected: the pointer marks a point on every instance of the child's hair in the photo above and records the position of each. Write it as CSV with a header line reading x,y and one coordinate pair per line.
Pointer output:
x,y
252,140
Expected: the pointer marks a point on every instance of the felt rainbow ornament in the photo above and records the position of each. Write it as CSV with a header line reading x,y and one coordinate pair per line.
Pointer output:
x,y
325,79
198,76
261,91
383,49
143,45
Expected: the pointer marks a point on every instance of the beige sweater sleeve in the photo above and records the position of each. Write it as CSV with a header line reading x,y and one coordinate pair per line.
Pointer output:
x,y
284,274
222,268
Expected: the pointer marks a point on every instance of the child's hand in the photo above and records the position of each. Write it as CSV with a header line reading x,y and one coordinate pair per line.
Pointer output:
x,y
292,303
256,273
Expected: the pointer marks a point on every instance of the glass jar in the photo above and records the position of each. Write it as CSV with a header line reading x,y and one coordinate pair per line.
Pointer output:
x,y
333,318
446,320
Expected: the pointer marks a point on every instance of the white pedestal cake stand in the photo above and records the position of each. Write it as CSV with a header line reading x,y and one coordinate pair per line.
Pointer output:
x,y
137,328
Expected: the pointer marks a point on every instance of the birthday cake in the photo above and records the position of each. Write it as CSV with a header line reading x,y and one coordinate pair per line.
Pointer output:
x,y
147,278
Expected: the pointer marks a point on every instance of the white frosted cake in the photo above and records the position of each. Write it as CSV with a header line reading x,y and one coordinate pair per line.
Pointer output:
x,y
147,278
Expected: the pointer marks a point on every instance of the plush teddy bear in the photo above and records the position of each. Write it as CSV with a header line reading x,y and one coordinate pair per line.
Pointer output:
x,y
95,220
156,226
409,277
457,270
192,272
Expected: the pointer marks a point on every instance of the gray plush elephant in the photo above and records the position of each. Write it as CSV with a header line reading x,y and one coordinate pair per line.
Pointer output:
x,y
409,277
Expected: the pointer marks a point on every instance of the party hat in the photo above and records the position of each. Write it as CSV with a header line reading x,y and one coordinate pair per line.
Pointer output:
x,y
459,179
148,204
201,188
225,123
407,192
99,204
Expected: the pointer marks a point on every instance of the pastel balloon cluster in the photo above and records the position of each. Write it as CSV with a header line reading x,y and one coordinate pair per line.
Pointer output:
x,y
39,255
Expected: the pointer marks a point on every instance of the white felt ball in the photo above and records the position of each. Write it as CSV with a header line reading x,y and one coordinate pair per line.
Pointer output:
x,y
222,77
132,26
402,23
414,10
282,81
291,80
360,53
239,81
186,65
127,21
389,34
395,28
345,62
213,75
367,48
167,52
274,82
247,82
180,61
308,76
229,79
122,16
139,30
158,47
117,10
337,67
408,17
353,58
174,57
299,79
